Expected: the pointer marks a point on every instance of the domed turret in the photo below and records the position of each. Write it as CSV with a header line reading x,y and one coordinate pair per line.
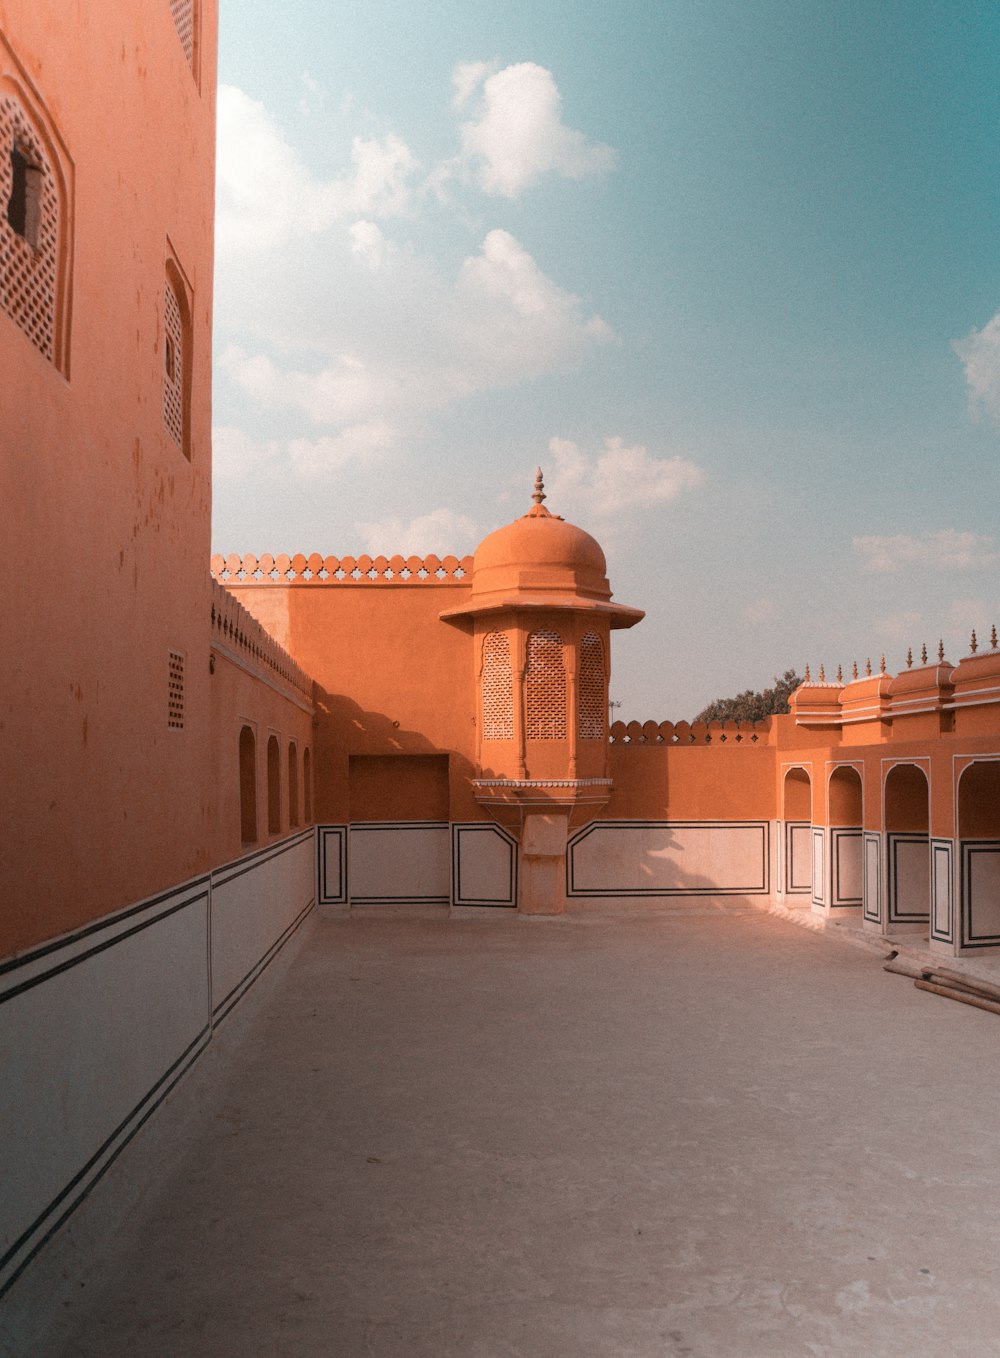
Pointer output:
x,y
541,561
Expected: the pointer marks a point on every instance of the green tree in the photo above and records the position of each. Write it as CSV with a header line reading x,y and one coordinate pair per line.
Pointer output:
x,y
751,705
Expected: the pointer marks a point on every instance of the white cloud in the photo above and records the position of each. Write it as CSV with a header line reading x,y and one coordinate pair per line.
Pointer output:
x,y
420,340
466,77
357,445
440,531
617,479
980,354
312,101
267,196
518,134
237,455
946,550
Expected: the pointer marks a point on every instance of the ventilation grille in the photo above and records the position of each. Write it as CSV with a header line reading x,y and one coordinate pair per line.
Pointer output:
x,y
183,15
173,366
545,686
175,691
28,271
498,694
591,709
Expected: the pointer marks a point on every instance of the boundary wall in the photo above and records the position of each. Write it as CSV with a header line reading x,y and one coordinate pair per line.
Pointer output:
x,y
97,1027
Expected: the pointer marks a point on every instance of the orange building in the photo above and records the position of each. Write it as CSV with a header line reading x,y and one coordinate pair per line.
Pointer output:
x,y
191,765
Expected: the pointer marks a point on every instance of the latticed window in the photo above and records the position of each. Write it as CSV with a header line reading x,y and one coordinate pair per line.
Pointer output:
x,y
173,365
184,16
29,230
591,690
498,688
545,687
175,690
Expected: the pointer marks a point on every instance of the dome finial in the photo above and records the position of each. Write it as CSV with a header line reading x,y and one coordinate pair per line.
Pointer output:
x,y
539,494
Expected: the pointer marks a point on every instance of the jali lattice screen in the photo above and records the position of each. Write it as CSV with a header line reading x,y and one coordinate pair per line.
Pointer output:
x,y
545,687
591,689
29,263
498,693
173,365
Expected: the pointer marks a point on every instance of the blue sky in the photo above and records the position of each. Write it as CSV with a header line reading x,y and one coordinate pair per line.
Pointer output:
x,y
729,272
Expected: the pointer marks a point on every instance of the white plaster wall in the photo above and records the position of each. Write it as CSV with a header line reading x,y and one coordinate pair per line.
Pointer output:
x,y
254,903
97,1026
670,858
484,860
874,899
848,867
800,857
818,865
983,892
909,868
401,862
942,912
103,1019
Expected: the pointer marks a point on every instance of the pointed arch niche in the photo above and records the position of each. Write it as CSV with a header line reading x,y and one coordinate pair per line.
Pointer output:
x,y
979,853
796,815
906,795
845,810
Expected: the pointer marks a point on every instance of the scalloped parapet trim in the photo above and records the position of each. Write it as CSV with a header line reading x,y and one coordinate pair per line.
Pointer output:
x,y
635,733
343,570
234,628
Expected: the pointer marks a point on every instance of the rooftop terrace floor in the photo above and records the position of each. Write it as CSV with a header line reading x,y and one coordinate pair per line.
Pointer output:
x,y
704,1133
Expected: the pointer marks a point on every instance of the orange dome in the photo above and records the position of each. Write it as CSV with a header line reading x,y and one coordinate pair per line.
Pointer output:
x,y
541,561
543,551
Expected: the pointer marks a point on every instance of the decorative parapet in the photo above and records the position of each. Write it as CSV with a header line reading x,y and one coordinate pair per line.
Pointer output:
x,y
690,733
343,570
236,631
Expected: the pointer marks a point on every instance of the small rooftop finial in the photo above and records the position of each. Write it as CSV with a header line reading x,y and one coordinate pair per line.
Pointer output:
x,y
808,680
840,674
993,636
909,657
941,652
854,670
868,667
881,666
974,644
923,654
539,494
822,673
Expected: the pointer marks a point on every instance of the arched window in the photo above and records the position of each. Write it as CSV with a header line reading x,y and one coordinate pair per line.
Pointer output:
x,y
307,789
33,226
248,786
273,786
545,687
498,692
591,705
293,784
176,361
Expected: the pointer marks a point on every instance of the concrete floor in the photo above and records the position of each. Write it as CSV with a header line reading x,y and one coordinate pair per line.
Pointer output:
x,y
703,1133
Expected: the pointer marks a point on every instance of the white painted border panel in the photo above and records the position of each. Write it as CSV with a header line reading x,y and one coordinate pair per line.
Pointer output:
x,y
255,902
92,1031
669,858
484,865
404,862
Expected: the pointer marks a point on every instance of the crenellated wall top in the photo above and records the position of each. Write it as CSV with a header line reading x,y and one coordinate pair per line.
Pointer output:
x,y
317,570
235,629
684,733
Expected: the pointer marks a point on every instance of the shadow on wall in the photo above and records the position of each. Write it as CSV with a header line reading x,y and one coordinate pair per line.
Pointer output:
x,y
369,768
635,860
